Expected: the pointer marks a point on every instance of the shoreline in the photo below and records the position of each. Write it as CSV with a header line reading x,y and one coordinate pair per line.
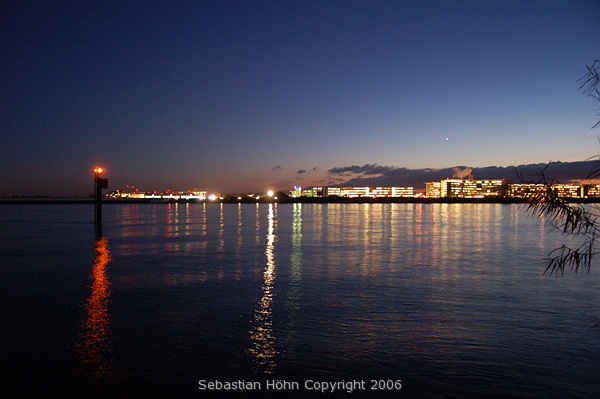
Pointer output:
x,y
330,200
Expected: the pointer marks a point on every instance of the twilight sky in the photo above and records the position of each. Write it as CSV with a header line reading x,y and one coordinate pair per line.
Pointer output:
x,y
241,96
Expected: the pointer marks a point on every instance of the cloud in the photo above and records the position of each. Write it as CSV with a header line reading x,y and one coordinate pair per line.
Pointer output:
x,y
301,171
277,168
368,169
461,173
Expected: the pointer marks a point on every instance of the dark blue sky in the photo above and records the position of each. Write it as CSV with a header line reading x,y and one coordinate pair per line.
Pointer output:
x,y
242,96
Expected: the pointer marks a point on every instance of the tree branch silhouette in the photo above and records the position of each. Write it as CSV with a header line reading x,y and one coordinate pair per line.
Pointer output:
x,y
578,221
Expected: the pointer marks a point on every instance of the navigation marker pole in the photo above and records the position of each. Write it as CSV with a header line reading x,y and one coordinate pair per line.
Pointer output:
x,y
99,184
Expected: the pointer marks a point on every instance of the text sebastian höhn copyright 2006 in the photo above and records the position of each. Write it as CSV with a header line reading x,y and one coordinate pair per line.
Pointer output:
x,y
309,385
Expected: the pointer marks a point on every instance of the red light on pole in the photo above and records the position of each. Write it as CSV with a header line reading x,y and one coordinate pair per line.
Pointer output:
x,y
99,185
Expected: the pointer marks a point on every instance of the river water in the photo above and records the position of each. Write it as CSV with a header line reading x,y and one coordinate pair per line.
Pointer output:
x,y
423,300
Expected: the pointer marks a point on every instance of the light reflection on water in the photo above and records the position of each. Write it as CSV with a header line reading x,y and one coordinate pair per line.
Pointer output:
x,y
262,335
95,349
450,298
294,295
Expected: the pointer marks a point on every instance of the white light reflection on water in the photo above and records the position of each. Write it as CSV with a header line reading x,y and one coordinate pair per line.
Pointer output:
x,y
294,295
262,336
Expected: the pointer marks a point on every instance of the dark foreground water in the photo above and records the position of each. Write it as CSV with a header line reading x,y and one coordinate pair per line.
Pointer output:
x,y
427,300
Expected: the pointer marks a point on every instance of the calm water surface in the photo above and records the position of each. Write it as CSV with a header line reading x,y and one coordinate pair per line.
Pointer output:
x,y
448,298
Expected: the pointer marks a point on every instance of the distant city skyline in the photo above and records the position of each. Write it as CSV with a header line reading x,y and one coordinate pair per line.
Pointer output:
x,y
373,176
459,187
238,96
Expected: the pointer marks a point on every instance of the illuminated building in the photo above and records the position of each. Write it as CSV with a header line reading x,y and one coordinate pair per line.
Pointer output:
x,y
315,192
355,192
296,192
403,191
391,192
380,192
493,188
560,190
567,190
453,188
433,189
334,191
591,190
467,188
195,194
525,190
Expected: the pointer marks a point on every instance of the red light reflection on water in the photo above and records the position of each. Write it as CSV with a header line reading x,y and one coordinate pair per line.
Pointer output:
x,y
95,348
